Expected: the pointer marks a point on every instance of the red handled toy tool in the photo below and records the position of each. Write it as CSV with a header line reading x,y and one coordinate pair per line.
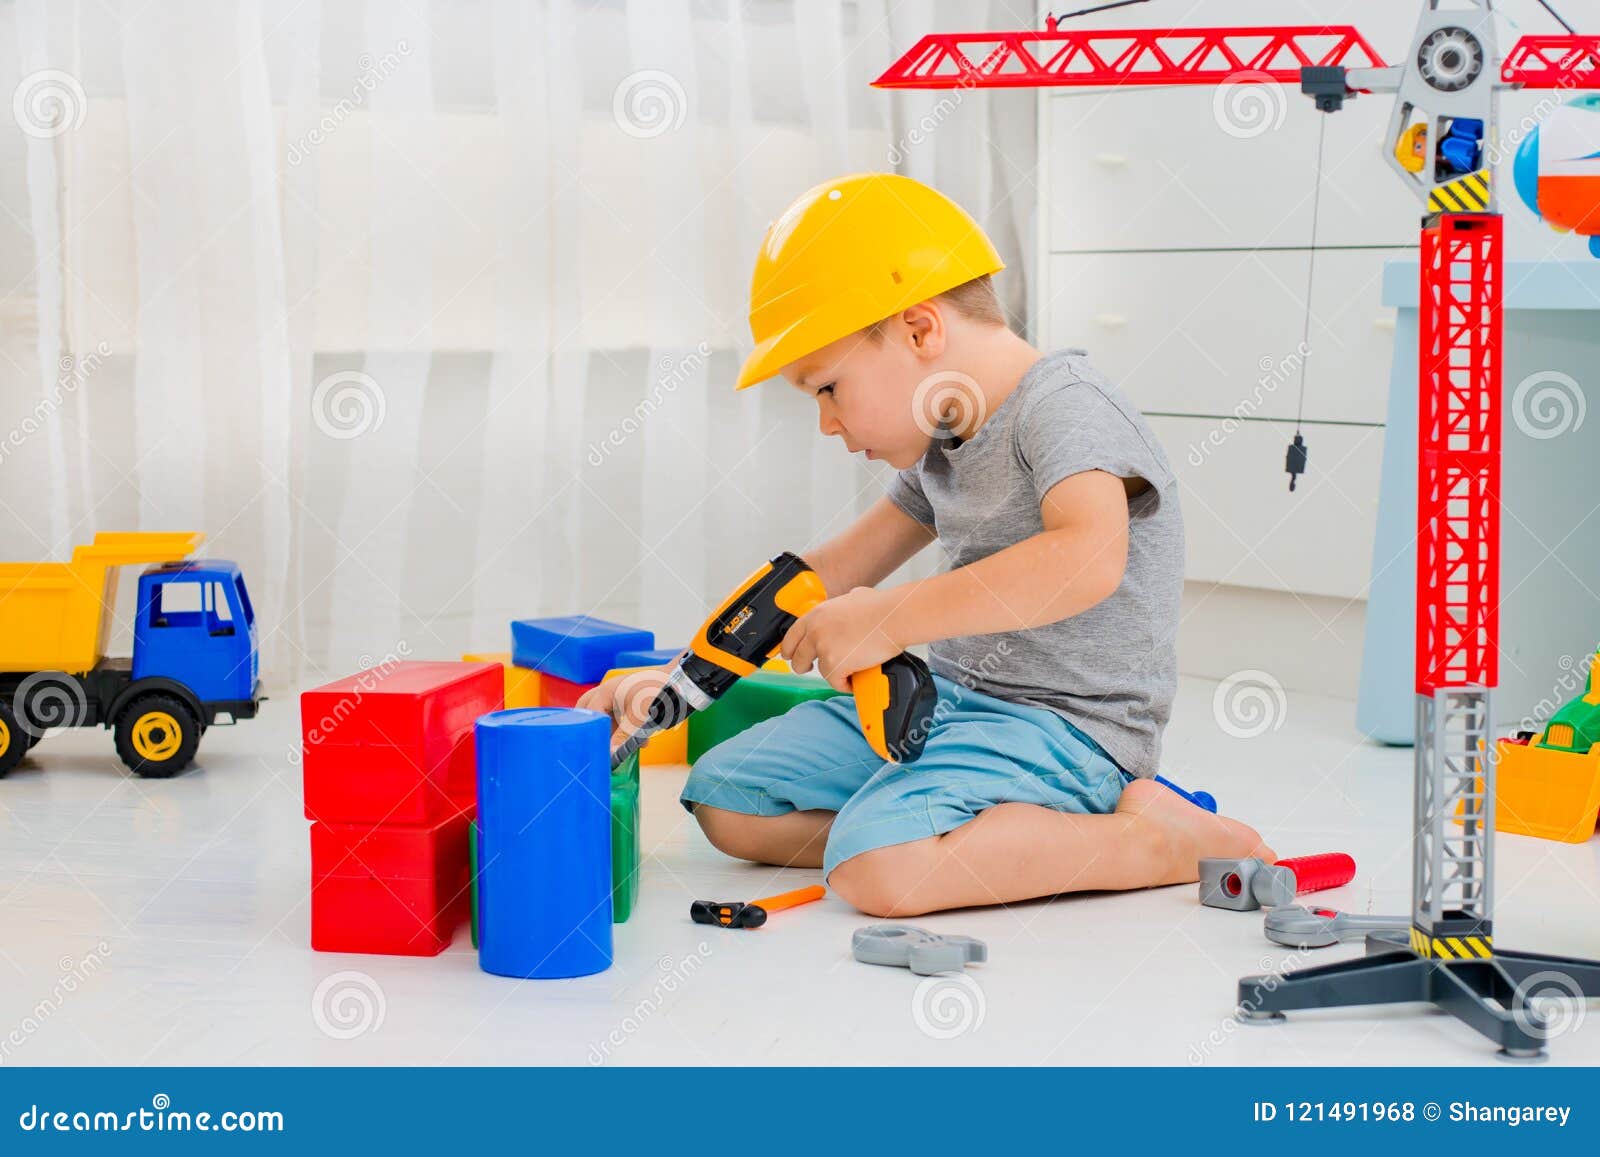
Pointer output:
x,y
1245,885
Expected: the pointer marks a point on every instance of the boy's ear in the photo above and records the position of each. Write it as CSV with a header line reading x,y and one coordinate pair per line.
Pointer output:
x,y
927,327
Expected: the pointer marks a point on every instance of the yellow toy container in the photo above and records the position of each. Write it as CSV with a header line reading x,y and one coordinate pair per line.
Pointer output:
x,y
666,747
56,616
522,683
1554,795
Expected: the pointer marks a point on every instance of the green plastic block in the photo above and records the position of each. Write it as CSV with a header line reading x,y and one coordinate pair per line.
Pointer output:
x,y
759,695
624,839
472,861
629,770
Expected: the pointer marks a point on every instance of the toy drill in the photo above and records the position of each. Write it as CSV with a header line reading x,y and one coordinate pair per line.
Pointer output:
x,y
1246,885
895,700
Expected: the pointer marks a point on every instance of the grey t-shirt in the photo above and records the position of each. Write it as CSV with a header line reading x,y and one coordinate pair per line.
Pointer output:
x,y
1111,670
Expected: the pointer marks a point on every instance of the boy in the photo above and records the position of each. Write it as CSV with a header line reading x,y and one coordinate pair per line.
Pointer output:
x,y
1051,636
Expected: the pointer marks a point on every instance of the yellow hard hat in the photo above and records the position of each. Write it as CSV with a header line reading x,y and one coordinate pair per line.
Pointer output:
x,y
848,254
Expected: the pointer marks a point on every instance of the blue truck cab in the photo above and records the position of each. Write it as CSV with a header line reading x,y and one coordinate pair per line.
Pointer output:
x,y
197,629
195,658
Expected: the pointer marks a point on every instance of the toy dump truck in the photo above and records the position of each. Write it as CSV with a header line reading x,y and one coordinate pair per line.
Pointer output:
x,y
194,659
1547,783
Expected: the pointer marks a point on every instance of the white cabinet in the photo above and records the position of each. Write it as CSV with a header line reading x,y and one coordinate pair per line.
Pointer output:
x,y
1188,168
1220,332
1246,528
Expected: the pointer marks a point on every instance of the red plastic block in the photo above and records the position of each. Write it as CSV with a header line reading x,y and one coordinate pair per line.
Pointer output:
x,y
394,744
395,890
557,692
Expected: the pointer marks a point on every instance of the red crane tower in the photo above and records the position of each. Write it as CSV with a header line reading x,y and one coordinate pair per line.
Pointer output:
x,y
1446,86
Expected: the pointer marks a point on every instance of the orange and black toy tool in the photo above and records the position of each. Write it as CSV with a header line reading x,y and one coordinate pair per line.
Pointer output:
x,y
895,701
736,914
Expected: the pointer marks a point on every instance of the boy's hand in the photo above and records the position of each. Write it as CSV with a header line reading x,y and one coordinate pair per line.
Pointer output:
x,y
626,698
842,635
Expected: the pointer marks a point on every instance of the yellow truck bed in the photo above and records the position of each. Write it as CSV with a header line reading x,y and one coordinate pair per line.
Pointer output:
x,y
56,616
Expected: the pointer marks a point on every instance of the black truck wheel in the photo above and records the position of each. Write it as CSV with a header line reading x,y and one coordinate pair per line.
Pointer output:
x,y
13,740
157,736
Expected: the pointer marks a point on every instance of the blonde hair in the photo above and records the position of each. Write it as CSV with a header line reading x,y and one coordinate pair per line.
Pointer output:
x,y
975,300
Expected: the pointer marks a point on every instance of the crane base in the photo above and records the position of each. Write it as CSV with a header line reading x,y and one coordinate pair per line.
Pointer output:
x,y
1499,996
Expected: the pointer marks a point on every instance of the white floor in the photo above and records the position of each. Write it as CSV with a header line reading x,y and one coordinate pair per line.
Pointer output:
x,y
146,922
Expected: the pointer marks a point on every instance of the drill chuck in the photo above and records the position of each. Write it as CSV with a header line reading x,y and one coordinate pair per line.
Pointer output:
x,y
675,702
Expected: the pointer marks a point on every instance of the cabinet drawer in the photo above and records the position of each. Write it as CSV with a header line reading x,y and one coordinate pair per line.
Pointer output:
x,y
1209,333
1244,527
1159,168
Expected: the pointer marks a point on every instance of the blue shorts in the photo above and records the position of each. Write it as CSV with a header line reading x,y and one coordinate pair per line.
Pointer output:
x,y
981,751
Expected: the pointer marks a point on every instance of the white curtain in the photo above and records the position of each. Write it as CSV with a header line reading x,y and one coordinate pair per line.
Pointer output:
x,y
428,313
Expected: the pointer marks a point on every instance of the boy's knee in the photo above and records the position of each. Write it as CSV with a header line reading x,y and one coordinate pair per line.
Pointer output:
x,y
886,882
731,833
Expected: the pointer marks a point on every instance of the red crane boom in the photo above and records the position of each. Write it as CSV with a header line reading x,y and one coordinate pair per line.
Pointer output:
x,y
1124,56
1553,62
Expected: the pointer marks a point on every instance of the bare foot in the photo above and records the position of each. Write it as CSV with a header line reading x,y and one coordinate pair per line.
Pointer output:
x,y
1190,833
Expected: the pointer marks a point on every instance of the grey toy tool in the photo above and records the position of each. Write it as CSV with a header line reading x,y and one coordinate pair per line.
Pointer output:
x,y
1245,885
924,952
1297,927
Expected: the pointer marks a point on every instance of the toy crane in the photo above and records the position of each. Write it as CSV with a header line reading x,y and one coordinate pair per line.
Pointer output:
x,y
1445,113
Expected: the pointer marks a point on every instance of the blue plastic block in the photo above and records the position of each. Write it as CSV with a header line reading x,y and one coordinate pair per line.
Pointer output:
x,y
544,842
577,648
653,658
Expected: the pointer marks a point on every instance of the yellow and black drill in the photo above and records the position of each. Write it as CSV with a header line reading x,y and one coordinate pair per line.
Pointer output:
x,y
894,700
